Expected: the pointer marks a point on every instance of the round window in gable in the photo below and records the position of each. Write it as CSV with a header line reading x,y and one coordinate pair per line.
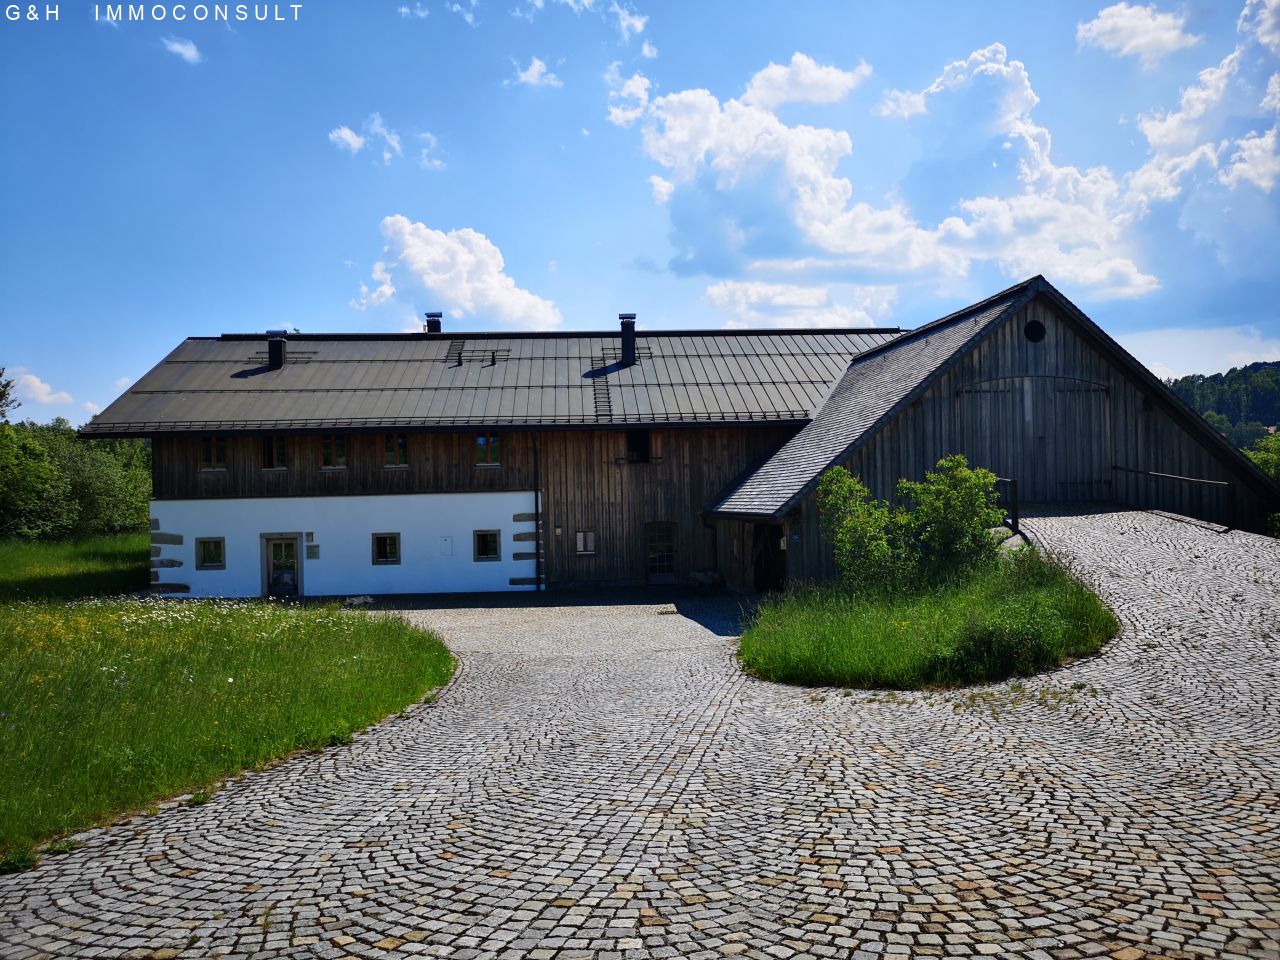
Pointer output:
x,y
1034,331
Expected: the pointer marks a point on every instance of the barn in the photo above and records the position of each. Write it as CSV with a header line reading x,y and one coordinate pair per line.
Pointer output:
x,y
338,464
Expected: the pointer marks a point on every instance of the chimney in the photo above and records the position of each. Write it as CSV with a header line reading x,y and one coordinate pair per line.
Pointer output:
x,y
433,321
628,338
275,352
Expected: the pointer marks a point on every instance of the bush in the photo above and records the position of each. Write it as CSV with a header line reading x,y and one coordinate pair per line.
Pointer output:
x,y
866,535
942,528
950,515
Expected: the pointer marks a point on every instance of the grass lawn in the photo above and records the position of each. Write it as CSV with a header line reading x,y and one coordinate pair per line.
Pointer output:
x,y
99,566
108,705
1018,616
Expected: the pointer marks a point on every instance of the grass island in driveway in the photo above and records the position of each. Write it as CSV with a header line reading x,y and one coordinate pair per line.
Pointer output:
x,y
1020,615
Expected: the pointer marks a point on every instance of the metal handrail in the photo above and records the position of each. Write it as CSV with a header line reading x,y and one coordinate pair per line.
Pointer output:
x,y
1013,501
1230,488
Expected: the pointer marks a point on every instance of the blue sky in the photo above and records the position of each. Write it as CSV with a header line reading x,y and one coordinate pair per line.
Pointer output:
x,y
549,163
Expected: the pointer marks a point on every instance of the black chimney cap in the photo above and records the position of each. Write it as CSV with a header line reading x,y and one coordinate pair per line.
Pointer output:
x,y
626,316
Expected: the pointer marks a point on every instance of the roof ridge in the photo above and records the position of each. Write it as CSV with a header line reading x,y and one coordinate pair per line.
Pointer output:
x,y
554,334
1036,283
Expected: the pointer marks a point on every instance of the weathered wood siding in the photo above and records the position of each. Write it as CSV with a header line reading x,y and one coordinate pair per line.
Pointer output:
x,y
1059,417
586,483
438,463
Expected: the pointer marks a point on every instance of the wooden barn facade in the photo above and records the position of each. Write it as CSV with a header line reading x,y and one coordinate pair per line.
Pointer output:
x,y
1023,384
447,462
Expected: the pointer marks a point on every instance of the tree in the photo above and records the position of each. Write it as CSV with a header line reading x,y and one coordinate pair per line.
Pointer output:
x,y
1219,422
7,400
1266,454
1245,435
35,498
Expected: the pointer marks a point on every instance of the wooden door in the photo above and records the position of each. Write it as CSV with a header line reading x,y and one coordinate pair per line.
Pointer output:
x,y
282,574
660,552
1051,434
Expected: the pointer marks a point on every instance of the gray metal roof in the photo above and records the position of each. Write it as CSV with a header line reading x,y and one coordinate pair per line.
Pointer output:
x,y
408,381
873,388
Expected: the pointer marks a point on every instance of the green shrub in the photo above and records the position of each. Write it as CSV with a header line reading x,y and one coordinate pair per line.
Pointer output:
x,y
943,527
865,533
950,514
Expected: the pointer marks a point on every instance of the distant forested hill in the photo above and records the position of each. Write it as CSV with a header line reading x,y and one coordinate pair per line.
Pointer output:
x,y
1241,403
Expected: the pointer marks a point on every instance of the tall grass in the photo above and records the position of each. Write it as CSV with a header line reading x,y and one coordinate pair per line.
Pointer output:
x,y
97,566
107,706
1016,616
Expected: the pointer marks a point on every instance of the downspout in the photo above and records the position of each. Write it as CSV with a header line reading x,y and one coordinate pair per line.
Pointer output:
x,y
537,516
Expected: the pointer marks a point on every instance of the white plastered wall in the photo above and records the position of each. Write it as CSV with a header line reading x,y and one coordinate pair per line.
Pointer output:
x,y
436,542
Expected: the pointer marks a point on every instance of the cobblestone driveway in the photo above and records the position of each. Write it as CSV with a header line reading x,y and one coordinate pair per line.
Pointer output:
x,y
601,781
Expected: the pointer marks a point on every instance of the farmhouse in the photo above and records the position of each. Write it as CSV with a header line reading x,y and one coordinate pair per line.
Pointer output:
x,y
327,464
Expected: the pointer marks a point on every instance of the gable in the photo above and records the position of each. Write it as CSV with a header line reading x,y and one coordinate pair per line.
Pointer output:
x,y
975,382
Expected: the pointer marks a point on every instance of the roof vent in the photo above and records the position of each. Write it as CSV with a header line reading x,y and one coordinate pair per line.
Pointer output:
x,y
628,321
433,321
276,352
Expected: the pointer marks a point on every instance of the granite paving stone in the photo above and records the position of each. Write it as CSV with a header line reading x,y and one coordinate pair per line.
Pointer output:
x,y
600,780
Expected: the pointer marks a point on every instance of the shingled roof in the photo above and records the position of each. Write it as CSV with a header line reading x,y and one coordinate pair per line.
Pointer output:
x,y
425,381
875,386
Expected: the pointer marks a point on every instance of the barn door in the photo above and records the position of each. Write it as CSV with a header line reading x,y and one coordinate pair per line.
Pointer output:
x,y
989,426
1051,434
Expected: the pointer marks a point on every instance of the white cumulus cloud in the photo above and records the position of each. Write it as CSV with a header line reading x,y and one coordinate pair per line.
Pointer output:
x,y
1137,31
1255,161
31,389
804,80
648,50
1062,221
629,22
662,188
1008,79
1271,100
1261,19
185,49
374,129
346,139
534,75
380,294
427,158
751,303
465,271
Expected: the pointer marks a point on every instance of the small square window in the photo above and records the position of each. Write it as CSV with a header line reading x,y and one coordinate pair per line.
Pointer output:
x,y
335,452
396,450
213,453
488,450
273,453
586,542
488,545
638,446
211,553
386,548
